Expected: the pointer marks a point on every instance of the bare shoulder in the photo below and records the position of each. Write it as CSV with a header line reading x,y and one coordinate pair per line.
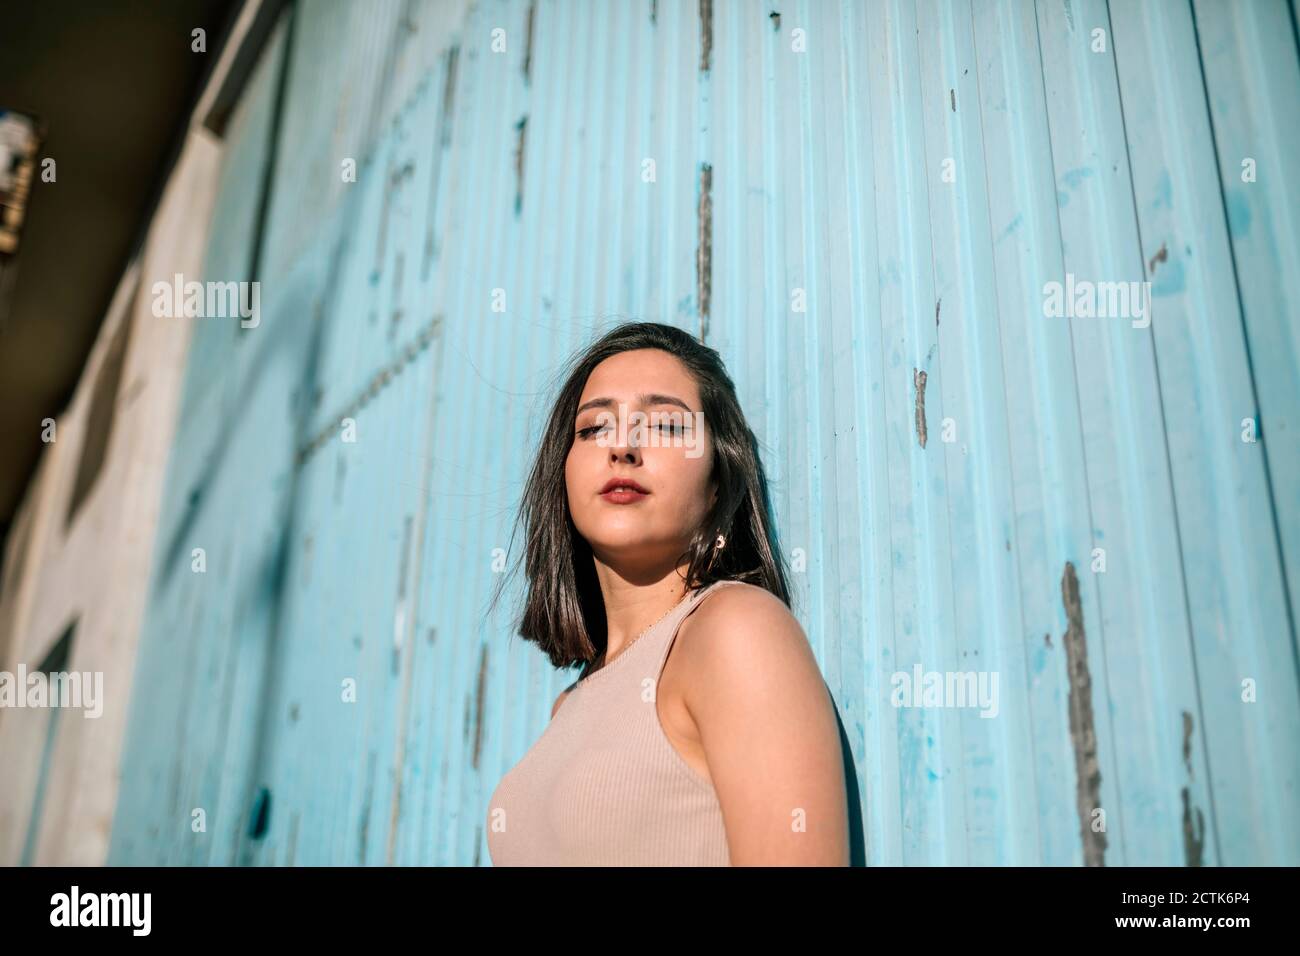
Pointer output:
x,y
745,631
745,601
766,724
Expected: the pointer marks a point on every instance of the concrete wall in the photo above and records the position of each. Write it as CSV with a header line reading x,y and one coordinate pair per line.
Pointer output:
x,y
95,572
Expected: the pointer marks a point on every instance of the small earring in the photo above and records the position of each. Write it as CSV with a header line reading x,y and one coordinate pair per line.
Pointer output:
x,y
721,542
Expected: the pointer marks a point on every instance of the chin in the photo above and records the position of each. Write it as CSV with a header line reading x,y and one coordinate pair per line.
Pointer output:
x,y
626,547
618,530
619,544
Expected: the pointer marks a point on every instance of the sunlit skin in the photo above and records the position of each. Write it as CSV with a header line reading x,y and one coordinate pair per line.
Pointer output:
x,y
636,545
741,697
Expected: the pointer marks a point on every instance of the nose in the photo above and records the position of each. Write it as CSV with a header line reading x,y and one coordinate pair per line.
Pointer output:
x,y
627,452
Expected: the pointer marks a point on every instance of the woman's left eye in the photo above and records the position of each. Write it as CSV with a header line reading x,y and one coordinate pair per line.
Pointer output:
x,y
671,426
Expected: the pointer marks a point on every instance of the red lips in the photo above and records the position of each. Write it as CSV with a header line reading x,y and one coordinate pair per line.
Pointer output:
x,y
623,483
623,491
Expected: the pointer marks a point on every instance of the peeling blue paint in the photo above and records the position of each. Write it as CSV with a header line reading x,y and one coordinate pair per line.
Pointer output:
x,y
1073,178
1168,279
1011,227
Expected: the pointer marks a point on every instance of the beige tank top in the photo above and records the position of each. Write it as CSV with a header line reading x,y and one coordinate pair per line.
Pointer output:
x,y
603,786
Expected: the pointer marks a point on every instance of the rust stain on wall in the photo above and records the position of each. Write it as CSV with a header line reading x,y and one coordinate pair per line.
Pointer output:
x,y
480,692
1193,831
918,380
706,34
1160,256
1083,734
704,250
528,44
1193,818
521,128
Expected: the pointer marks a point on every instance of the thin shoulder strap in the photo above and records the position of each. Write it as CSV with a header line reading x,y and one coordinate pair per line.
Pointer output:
x,y
697,598
690,605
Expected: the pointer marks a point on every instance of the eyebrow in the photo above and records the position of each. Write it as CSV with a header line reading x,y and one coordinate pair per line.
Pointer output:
x,y
653,398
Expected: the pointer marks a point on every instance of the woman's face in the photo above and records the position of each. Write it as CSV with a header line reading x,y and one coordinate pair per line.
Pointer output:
x,y
639,418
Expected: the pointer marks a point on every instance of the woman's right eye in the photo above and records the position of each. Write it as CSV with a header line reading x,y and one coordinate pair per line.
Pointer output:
x,y
590,429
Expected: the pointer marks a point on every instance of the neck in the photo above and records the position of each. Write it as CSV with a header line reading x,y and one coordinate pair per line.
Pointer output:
x,y
632,606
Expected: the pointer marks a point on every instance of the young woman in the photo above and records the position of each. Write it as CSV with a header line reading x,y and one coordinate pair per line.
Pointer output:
x,y
701,732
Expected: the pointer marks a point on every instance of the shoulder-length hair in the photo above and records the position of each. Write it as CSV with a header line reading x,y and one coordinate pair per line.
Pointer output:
x,y
564,611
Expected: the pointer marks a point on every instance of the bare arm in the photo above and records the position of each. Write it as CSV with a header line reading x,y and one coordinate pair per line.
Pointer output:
x,y
767,725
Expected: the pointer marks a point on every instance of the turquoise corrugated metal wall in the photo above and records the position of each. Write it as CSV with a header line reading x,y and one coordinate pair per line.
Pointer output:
x,y
859,205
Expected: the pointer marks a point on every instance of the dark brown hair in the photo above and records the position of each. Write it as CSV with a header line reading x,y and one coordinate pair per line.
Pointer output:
x,y
564,612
